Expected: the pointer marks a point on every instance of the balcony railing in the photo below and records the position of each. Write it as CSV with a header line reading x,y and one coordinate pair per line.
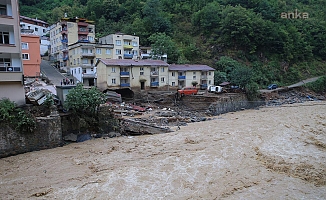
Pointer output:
x,y
127,46
128,56
155,84
125,85
204,77
145,55
64,40
83,40
9,69
124,73
88,55
65,58
83,32
83,24
154,73
87,65
90,75
181,77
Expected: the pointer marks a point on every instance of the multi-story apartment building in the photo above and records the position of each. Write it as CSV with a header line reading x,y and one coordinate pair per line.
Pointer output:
x,y
134,74
82,57
11,67
66,32
125,46
185,75
31,54
36,26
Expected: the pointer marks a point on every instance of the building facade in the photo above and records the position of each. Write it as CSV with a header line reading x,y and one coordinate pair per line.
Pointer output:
x,y
66,32
186,75
31,54
124,46
82,58
133,74
11,67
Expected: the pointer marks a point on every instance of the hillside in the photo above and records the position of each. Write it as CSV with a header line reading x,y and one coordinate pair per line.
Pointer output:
x,y
263,41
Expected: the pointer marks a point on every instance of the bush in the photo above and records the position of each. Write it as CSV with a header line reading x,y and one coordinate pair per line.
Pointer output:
x,y
16,118
318,86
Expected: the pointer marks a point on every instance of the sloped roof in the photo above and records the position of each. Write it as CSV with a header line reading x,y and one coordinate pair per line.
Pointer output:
x,y
129,62
190,68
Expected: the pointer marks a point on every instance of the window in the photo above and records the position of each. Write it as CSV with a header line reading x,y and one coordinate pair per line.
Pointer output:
x,y
78,61
134,44
98,51
43,30
24,45
162,80
78,70
135,52
84,50
173,83
209,82
113,69
209,73
162,69
118,51
194,73
74,61
141,68
194,77
90,38
113,81
25,56
3,9
126,42
36,29
118,42
141,73
4,37
173,74
108,51
85,61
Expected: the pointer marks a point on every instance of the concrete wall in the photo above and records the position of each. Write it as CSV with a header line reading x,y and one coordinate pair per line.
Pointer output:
x,y
47,135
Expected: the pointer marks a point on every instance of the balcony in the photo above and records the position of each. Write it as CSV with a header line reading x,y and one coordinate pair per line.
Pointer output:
x,y
65,49
154,73
145,55
128,56
154,84
83,55
181,77
124,74
127,46
83,24
204,77
83,40
64,31
125,85
86,65
90,75
64,41
9,69
82,32
65,58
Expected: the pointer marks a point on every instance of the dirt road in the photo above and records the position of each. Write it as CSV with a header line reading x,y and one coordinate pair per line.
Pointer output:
x,y
270,153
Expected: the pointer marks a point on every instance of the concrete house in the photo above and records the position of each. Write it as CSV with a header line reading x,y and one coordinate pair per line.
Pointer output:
x,y
66,32
133,74
31,54
83,56
184,75
11,67
125,46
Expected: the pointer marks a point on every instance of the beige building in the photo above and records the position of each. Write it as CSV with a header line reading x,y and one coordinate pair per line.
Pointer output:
x,y
11,67
66,32
125,46
82,58
134,74
185,75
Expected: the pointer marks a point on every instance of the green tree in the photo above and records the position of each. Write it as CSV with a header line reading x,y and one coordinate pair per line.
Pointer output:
x,y
162,44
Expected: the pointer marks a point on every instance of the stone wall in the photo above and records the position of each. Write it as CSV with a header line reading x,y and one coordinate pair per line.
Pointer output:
x,y
48,134
218,103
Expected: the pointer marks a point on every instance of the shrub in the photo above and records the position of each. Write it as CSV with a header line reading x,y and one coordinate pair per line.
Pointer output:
x,y
318,86
16,118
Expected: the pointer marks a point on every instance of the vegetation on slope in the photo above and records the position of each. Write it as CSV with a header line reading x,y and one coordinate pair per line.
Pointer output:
x,y
250,35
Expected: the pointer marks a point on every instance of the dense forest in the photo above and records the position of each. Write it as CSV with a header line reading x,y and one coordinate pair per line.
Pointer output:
x,y
249,42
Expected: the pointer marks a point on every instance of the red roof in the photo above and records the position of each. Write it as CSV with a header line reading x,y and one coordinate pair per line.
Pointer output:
x,y
190,68
127,62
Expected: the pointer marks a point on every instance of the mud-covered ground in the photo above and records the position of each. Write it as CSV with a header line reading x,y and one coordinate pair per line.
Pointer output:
x,y
269,153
